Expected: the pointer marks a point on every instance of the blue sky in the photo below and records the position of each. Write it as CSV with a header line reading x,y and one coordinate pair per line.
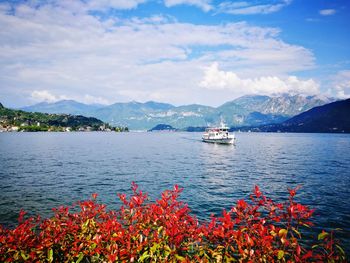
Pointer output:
x,y
175,51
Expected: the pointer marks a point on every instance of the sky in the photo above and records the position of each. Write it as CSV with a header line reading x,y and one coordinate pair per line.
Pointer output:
x,y
174,51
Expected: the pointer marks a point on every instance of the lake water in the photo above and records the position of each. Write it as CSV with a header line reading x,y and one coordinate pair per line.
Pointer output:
x,y
40,171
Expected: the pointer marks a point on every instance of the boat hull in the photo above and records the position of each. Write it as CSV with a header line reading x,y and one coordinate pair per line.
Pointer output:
x,y
220,141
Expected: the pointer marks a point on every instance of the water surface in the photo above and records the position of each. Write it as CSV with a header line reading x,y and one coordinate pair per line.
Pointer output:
x,y
44,170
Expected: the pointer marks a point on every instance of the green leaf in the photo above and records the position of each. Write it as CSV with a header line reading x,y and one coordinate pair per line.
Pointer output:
x,y
80,258
144,256
178,257
297,232
273,233
154,248
341,249
322,235
50,255
167,253
280,254
86,223
24,256
282,232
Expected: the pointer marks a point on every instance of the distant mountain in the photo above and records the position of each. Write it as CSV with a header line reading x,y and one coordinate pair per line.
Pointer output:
x,y
136,115
158,105
190,115
258,118
64,107
250,102
178,117
285,104
243,111
256,110
163,127
332,117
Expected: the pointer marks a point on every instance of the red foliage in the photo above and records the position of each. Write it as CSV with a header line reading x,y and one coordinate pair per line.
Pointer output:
x,y
256,231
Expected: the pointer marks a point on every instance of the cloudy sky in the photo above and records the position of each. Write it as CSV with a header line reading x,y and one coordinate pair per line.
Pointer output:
x,y
175,51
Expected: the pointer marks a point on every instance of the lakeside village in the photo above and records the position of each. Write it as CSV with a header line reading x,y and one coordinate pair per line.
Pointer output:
x,y
21,121
38,127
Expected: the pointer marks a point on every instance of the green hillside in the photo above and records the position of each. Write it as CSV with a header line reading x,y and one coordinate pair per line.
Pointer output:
x,y
36,121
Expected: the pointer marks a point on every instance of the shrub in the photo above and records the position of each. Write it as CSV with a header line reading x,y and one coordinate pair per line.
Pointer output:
x,y
164,231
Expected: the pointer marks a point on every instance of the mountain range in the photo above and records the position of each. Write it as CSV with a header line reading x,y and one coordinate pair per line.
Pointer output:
x,y
332,117
249,110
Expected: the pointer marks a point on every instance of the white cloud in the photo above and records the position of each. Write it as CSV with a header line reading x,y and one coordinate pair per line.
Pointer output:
x,y
65,50
45,95
341,85
88,99
205,5
116,4
250,8
327,12
235,8
216,79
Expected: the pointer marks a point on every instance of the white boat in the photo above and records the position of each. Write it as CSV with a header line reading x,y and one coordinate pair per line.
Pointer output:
x,y
218,135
